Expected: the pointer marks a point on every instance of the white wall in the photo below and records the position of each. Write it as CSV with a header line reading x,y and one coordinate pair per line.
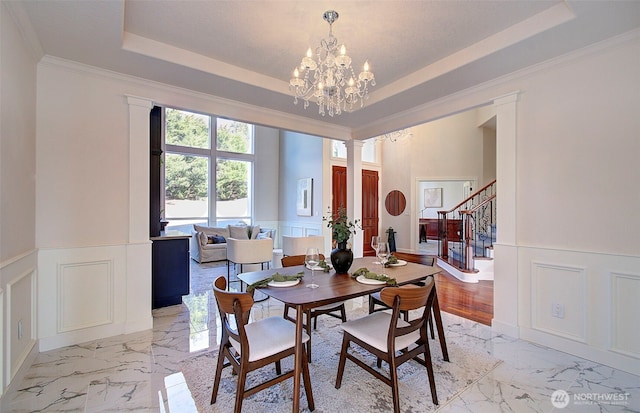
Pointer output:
x,y
301,156
18,258
18,131
266,183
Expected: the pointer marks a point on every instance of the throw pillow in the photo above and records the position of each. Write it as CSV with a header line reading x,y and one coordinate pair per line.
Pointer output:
x,y
238,232
263,235
217,239
202,237
255,231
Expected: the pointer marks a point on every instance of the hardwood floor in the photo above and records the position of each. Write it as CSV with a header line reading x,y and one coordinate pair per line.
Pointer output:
x,y
471,301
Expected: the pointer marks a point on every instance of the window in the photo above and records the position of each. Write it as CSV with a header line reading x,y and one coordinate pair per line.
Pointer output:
x,y
208,172
339,150
232,136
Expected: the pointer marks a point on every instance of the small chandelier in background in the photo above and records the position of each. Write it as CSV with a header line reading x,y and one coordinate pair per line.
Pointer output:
x,y
330,78
395,135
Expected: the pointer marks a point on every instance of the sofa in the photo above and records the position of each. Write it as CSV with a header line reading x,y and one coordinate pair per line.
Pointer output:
x,y
210,243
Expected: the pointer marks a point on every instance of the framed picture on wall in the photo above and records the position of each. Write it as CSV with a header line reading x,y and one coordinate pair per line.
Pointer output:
x,y
433,198
305,196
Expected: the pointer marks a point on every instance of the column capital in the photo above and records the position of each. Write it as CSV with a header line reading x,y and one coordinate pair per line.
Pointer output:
x,y
353,143
138,101
506,99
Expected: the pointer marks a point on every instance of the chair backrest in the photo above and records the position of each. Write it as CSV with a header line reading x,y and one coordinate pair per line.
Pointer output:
x,y
233,303
409,297
245,251
298,245
220,283
291,260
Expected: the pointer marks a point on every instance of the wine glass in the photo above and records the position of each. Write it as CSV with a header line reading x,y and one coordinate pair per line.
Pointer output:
x,y
312,259
375,240
382,252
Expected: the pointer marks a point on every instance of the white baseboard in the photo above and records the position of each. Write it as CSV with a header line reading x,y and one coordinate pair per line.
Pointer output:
x,y
468,277
504,328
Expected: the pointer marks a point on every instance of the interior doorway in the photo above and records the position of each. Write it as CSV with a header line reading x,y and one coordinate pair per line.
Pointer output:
x,y
370,201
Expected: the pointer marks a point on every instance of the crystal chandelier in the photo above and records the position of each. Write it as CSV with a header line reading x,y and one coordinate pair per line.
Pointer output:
x,y
330,78
395,135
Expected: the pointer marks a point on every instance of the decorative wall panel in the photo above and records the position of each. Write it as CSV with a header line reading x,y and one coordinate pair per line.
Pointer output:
x,y
2,342
558,300
625,308
20,331
85,295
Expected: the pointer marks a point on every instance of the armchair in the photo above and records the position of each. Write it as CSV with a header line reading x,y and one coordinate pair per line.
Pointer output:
x,y
245,252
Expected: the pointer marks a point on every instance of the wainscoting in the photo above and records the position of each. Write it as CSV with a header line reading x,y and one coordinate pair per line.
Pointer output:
x,y
93,292
581,303
18,334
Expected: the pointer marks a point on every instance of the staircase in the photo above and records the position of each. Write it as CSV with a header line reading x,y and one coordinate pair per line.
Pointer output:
x,y
466,234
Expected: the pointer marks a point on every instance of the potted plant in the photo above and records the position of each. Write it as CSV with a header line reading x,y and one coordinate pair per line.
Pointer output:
x,y
342,228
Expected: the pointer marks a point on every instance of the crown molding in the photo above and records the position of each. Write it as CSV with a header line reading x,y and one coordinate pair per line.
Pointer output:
x,y
223,107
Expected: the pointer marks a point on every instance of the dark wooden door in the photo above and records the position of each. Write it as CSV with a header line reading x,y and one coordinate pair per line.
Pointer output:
x,y
339,188
369,209
369,201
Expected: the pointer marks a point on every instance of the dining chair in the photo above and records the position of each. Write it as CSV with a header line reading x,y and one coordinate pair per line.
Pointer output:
x,y
375,300
336,310
392,339
248,346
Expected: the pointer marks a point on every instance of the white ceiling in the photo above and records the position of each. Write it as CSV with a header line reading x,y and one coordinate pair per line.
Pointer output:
x,y
245,51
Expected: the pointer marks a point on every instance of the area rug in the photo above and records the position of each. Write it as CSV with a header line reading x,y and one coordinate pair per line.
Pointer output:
x,y
360,392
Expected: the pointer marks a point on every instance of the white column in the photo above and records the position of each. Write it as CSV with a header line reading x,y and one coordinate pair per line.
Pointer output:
x,y
505,314
354,190
139,144
139,247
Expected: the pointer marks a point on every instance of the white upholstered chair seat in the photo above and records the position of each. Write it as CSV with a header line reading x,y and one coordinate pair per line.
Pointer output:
x,y
372,329
269,336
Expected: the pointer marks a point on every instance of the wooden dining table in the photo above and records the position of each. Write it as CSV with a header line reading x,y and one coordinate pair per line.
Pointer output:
x,y
335,288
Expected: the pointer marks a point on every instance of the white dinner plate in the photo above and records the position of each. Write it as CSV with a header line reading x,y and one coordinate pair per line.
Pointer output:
x,y
283,283
400,263
364,280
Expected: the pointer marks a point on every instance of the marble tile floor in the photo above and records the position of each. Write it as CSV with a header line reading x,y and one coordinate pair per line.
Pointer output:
x,y
140,372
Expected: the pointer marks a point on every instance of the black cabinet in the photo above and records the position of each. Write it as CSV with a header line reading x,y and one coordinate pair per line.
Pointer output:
x,y
169,269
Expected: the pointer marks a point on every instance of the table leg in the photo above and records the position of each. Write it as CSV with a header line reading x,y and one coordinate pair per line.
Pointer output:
x,y
438,316
297,360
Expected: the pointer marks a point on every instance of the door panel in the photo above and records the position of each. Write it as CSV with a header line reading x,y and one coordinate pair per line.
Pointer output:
x,y
369,201
339,188
369,209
